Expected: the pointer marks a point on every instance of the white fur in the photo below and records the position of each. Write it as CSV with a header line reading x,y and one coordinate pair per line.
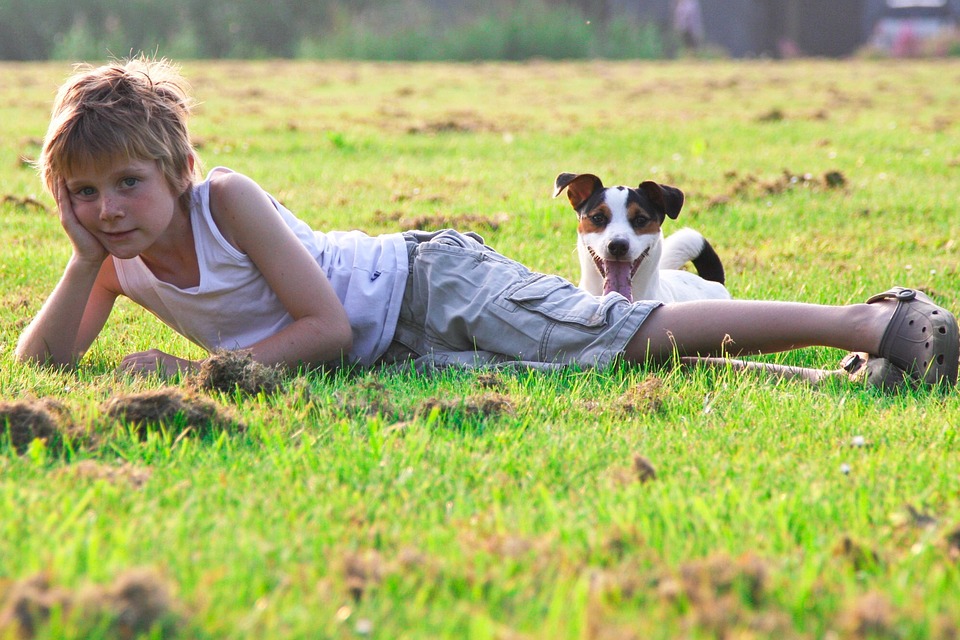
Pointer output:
x,y
659,276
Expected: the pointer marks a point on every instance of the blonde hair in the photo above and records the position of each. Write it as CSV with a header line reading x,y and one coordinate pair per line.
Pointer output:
x,y
133,109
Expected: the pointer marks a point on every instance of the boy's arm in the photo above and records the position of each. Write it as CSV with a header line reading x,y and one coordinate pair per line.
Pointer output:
x,y
72,316
320,331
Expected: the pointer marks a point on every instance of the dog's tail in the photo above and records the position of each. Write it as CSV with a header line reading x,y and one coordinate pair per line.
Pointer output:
x,y
686,245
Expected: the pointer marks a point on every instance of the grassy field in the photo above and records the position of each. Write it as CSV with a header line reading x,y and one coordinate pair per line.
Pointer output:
x,y
631,502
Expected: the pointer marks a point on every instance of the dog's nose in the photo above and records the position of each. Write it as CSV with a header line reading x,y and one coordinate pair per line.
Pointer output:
x,y
618,248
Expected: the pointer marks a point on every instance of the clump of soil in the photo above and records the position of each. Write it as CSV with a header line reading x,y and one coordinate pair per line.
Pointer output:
x,y
171,408
485,405
137,602
492,381
114,474
952,542
870,616
725,596
644,469
228,371
705,580
645,397
756,187
773,115
362,572
367,398
443,220
859,556
25,202
27,605
27,420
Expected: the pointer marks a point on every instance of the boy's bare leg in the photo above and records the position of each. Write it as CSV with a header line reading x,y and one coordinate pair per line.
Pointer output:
x,y
744,327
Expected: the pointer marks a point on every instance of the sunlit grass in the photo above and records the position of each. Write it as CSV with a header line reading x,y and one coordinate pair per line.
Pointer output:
x,y
397,504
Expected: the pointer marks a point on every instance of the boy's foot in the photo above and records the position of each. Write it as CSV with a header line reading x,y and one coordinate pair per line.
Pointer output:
x,y
921,338
874,371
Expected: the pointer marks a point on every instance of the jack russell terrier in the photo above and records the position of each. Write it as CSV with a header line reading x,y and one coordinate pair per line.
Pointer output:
x,y
622,248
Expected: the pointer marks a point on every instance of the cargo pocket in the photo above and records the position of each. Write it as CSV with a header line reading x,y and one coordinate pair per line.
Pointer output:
x,y
559,300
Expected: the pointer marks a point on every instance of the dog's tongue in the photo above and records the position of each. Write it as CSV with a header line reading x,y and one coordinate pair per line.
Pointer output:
x,y
618,278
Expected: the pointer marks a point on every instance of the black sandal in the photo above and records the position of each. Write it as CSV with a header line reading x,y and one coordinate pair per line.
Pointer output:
x,y
921,338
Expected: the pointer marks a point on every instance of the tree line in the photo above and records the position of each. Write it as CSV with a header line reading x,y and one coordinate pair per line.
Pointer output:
x,y
371,29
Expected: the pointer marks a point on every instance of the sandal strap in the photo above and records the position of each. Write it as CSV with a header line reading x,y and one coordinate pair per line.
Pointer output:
x,y
901,294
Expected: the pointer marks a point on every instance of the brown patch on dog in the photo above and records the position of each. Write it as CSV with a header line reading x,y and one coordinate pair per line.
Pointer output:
x,y
586,223
870,616
579,187
29,420
860,557
114,474
637,215
229,371
166,408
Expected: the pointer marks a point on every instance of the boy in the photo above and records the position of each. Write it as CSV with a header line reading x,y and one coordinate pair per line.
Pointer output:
x,y
224,264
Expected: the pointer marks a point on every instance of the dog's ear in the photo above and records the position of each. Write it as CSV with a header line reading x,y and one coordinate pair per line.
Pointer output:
x,y
667,199
579,186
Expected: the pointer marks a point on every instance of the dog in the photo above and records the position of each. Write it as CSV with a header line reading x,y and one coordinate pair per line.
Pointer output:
x,y
622,248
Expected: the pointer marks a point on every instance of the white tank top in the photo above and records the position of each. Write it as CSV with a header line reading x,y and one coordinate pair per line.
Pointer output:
x,y
233,307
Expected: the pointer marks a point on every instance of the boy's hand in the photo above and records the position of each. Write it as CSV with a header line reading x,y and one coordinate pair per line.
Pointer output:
x,y
85,244
157,362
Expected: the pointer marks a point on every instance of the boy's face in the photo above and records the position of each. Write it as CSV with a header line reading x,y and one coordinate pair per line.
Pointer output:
x,y
127,204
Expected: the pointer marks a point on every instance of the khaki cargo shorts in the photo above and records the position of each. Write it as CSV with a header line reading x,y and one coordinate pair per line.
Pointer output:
x,y
465,304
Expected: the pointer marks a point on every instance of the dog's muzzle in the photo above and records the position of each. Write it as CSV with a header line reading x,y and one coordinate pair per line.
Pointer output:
x,y
617,274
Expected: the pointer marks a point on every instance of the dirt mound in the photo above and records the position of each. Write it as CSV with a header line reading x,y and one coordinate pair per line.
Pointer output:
x,y
114,474
484,405
229,371
171,409
27,420
138,601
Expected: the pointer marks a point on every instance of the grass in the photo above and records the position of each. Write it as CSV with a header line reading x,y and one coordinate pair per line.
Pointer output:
x,y
510,505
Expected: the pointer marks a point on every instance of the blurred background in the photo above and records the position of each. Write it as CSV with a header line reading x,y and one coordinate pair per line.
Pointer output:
x,y
476,29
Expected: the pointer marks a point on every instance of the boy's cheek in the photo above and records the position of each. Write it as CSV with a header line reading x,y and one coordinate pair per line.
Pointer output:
x,y
85,215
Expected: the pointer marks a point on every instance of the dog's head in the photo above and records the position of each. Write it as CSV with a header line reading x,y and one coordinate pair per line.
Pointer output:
x,y
619,226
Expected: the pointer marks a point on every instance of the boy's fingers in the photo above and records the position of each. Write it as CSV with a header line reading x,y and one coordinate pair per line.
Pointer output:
x,y
63,200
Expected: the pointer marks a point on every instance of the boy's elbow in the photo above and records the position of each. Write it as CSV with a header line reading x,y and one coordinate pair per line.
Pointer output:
x,y
333,340
345,337
43,358
27,353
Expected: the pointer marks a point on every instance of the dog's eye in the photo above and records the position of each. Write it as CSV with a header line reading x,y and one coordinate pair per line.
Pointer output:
x,y
598,219
640,222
